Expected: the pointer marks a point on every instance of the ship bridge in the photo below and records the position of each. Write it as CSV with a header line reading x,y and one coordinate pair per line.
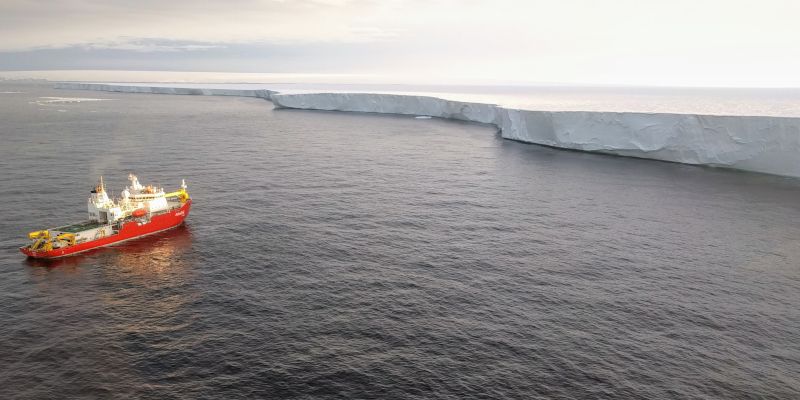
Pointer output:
x,y
135,198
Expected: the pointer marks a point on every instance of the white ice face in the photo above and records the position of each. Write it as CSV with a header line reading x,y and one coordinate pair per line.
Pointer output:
x,y
763,144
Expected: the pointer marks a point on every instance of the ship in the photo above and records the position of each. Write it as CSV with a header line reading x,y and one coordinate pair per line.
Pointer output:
x,y
139,211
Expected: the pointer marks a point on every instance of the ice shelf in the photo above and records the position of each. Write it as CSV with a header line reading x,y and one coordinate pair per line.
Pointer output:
x,y
752,143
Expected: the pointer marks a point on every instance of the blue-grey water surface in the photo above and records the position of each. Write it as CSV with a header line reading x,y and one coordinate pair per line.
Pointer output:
x,y
334,255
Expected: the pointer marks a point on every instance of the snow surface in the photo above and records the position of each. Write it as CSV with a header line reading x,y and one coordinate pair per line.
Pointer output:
x,y
753,143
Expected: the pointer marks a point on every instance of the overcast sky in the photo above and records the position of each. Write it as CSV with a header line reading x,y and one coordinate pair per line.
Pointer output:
x,y
676,42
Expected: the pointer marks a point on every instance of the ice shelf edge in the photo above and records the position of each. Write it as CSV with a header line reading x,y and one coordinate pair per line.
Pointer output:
x,y
751,143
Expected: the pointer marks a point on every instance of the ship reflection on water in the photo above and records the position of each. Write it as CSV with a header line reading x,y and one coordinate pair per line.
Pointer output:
x,y
157,255
127,308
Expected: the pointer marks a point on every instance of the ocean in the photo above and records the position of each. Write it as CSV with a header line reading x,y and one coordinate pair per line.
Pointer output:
x,y
345,255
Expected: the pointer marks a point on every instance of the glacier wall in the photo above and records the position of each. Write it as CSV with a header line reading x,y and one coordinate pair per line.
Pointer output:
x,y
262,93
762,144
390,104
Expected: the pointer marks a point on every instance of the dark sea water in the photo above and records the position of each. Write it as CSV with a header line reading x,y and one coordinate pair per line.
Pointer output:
x,y
334,255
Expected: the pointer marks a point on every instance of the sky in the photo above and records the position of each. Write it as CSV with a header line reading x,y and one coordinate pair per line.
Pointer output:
x,y
644,42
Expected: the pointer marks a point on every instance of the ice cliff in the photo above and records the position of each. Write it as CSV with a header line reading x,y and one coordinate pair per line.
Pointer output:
x,y
752,143
262,93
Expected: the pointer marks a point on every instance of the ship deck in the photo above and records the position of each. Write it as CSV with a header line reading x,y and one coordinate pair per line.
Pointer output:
x,y
79,227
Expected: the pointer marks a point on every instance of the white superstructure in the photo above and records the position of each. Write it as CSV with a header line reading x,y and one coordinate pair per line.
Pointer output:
x,y
101,207
135,198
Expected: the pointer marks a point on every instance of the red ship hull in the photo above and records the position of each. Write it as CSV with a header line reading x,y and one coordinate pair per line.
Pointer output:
x,y
129,230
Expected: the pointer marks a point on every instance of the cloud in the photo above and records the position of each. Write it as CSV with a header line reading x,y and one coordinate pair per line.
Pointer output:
x,y
634,41
31,24
146,45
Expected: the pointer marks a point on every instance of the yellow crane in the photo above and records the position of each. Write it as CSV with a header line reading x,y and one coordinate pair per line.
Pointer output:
x,y
66,238
41,240
180,194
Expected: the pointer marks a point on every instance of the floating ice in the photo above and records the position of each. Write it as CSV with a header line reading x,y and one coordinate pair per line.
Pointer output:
x,y
54,100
